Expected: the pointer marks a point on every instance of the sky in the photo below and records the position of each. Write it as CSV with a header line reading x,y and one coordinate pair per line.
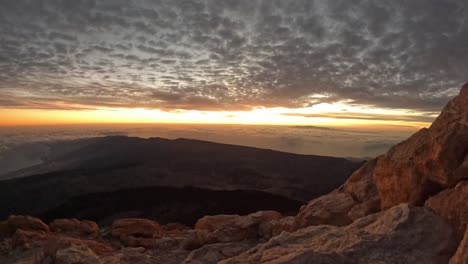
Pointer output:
x,y
291,62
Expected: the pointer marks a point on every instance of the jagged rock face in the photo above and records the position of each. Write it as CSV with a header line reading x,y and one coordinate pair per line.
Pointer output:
x,y
461,257
402,234
430,160
452,204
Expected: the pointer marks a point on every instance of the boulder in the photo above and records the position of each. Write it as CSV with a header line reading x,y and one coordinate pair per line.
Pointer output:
x,y
403,234
429,161
25,223
461,256
233,228
136,227
330,209
75,227
273,228
452,204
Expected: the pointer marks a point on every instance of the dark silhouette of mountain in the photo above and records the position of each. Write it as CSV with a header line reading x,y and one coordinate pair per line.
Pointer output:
x,y
168,204
109,164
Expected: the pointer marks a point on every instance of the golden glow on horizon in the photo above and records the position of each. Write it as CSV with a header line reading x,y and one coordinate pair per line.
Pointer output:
x,y
324,114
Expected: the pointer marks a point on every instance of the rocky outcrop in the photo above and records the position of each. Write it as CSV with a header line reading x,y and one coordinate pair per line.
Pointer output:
x,y
428,162
461,256
432,159
402,234
452,204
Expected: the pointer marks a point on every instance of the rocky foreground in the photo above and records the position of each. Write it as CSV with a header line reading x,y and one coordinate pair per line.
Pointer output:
x,y
407,206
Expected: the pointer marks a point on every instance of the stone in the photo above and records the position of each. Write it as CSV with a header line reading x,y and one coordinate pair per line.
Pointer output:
x,y
402,234
233,228
273,228
429,161
330,209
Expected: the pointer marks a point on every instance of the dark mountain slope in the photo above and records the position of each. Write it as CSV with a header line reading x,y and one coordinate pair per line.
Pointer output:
x,y
112,163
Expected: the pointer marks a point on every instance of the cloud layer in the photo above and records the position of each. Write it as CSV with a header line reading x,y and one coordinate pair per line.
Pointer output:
x,y
231,54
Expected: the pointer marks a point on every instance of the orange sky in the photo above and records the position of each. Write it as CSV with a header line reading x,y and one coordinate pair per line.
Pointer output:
x,y
336,114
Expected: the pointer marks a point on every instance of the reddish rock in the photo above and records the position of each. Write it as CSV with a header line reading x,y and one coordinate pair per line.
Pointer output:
x,y
75,227
23,238
136,227
25,223
275,227
233,228
432,159
461,256
402,234
452,204
330,209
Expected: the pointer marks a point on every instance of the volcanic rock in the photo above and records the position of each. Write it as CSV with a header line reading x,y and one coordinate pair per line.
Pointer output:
x,y
452,204
233,228
429,161
402,234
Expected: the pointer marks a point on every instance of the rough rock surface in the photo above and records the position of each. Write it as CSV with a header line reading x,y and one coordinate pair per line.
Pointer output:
x,y
275,227
432,159
402,234
233,228
331,209
461,257
452,204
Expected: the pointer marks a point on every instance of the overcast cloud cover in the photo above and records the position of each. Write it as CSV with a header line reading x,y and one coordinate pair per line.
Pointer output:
x,y
231,54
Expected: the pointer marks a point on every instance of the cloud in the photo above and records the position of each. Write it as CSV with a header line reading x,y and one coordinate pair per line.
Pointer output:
x,y
224,54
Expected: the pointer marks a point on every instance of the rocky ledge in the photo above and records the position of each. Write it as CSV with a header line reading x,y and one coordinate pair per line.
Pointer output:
x,y
407,206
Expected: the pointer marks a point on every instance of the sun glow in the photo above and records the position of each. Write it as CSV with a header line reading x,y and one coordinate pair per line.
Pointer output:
x,y
326,114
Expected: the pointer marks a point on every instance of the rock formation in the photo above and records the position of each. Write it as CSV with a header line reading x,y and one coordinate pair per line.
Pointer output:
x,y
402,234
